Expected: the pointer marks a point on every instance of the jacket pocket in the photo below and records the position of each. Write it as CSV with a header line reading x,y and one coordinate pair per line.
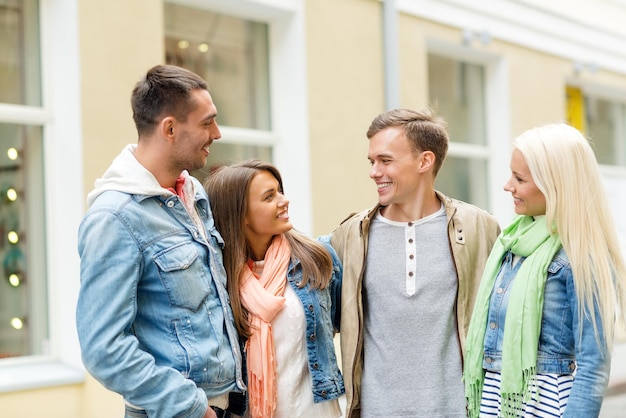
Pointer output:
x,y
183,276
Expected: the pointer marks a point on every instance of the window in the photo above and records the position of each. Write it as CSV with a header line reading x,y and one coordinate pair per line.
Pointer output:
x,y
603,119
457,91
41,193
231,53
19,61
23,297
252,54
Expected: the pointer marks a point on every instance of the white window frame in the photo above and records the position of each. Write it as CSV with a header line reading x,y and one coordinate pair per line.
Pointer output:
x,y
60,119
289,136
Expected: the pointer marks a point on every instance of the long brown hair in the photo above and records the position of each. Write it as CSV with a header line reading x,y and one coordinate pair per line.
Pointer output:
x,y
227,187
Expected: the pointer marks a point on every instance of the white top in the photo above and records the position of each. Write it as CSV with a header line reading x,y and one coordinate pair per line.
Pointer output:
x,y
294,382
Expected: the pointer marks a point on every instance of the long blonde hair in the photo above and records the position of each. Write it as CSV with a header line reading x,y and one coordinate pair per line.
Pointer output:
x,y
227,187
564,167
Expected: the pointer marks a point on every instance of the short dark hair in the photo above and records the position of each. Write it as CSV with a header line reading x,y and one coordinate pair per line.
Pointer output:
x,y
164,90
424,130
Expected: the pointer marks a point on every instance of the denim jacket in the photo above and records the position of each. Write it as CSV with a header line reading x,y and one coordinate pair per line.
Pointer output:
x,y
561,351
153,314
322,312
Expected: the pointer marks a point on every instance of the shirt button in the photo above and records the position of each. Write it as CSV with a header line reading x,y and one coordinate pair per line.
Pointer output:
x,y
488,360
312,337
411,257
410,224
492,325
410,240
170,204
316,366
499,290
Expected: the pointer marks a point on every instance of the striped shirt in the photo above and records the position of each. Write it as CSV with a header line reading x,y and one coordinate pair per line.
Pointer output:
x,y
549,396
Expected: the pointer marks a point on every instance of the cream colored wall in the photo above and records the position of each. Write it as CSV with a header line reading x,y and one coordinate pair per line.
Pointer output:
x,y
345,88
413,63
120,40
116,48
54,402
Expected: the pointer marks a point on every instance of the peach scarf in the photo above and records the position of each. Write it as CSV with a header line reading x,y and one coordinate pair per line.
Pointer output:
x,y
263,298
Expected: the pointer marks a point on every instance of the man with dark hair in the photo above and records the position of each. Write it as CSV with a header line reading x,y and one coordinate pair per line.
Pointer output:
x,y
412,265
153,314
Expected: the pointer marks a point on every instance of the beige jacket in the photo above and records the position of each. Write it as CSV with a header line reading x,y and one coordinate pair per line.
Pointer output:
x,y
471,231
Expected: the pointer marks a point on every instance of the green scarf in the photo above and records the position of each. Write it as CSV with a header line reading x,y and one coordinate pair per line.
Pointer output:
x,y
526,238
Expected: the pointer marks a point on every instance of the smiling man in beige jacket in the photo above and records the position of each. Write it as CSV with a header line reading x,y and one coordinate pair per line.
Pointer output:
x,y
412,265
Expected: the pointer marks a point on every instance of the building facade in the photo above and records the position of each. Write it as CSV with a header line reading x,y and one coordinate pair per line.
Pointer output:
x,y
296,82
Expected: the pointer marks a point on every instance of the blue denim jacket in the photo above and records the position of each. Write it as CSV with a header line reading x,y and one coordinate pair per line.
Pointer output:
x,y
153,314
561,351
322,312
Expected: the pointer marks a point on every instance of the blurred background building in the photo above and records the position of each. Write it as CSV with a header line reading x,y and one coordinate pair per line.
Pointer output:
x,y
296,82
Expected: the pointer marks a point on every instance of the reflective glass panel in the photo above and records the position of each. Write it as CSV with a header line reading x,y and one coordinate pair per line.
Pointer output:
x,y
464,179
23,302
20,81
231,54
457,91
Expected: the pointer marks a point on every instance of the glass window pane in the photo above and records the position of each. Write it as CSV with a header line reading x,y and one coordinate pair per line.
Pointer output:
x,y
457,91
19,60
223,153
606,128
464,179
23,302
231,54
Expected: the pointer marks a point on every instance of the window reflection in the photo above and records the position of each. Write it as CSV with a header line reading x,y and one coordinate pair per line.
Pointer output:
x,y
225,153
231,54
23,302
457,91
606,128
19,60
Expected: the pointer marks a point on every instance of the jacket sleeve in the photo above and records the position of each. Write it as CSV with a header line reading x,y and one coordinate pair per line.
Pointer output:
x,y
110,269
335,283
593,362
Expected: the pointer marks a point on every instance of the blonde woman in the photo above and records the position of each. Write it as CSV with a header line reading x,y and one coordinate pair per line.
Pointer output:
x,y
541,334
284,288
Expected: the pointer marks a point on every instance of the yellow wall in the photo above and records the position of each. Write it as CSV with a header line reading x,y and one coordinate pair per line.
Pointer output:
x,y
54,402
89,400
116,49
345,85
